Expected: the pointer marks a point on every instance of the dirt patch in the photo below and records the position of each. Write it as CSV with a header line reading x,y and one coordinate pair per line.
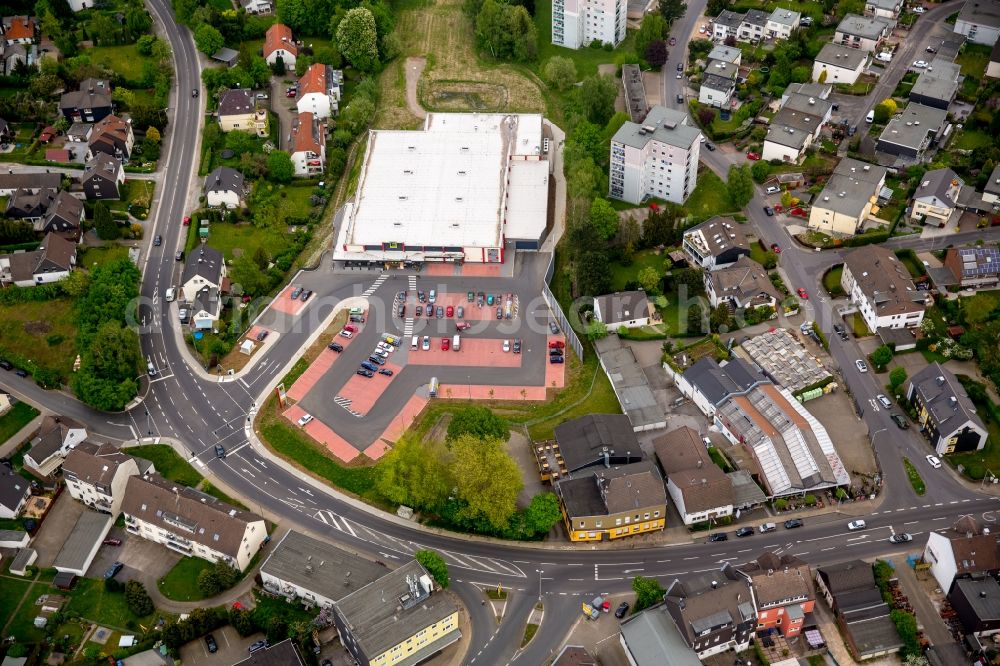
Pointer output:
x,y
414,68
465,96
37,327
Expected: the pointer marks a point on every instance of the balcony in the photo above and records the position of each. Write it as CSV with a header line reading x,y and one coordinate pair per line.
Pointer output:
x,y
178,548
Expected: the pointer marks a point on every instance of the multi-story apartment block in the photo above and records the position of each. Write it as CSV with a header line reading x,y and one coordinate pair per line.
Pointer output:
x,y
714,611
881,286
577,23
96,474
783,588
847,199
658,158
190,522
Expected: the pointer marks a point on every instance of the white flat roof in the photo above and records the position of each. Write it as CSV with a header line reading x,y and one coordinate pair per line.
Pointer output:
x,y
444,185
528,198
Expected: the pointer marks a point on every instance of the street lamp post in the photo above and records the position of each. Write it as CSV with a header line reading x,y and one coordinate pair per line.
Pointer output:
x,y
539,572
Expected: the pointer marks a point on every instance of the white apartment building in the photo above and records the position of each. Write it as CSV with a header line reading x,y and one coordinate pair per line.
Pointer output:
x,y
320,90
577,23
658,158
190,522
842,64
96,475
881,286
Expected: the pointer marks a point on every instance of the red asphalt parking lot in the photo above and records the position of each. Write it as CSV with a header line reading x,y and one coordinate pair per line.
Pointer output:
x,y
283,302
472,311
475,353
316,370
363,392
323,434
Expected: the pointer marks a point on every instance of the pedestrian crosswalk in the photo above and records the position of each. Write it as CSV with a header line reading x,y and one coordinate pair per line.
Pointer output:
x,y
408,327
412,280
375,285
346,404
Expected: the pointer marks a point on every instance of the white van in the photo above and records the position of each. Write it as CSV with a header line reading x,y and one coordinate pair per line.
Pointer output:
x,y
768,527
456,343
150,368
414,343
884,56
170,294
871,116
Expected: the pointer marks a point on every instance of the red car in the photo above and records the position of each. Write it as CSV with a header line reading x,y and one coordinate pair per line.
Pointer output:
x,y
462,325
351,327
802,293
557,344
753,156
112,542
187,221
445,344
449,311
291,92
775,248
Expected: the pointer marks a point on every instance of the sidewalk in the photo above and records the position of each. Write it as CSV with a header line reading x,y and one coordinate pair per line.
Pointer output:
x,y
928,618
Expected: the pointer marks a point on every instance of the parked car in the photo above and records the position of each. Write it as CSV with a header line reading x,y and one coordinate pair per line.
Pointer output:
x,y
499,313
357,319
934,461
621,610
861,365
775,248
440,312
884,401
385,371
900,421
470,296
673,41
335,346
460,312
210,643
420,310
220,451
856,525
186,221
257,645
919,10
902,537
6,365
351,327
680,99
449,312
401,310
753,156
179,256
919,64
553,329
517,345
305,295
426,343
506,345
365,372
555,352
718,536
346,333
261,335
489,299
772,189
680,67
445,344
112,542
296,292
304,419
768,211
710,146
793,523
432,297
744,532
113,570
291,92
802,293
556,359
421,296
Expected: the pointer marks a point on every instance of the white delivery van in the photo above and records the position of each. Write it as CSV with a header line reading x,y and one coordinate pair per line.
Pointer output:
x,y
150,368
456,343
414,343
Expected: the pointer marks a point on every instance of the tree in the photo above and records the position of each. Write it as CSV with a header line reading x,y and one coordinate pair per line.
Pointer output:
x,y
208,39
137,20
593,273
716,7
652,29
977,310
884,110
597,98
357,39
695,320
153,134
506,31
648,592
279,167
276,629
822,76
760,171
416,473
107,228
487,480
137,599
242,621
740,185
604,218
897,377
671,10
435,566
649,278
881,356
720,320
208,583
479,422
543,513
629,231
560,72
656,54
786,199
296,14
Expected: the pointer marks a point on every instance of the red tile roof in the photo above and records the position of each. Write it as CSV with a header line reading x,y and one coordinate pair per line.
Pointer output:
x,y
279,36
314,80
21,27
307,135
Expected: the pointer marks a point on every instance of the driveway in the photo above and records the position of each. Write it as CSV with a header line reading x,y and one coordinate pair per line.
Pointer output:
x,y
232,648
144,560
283,107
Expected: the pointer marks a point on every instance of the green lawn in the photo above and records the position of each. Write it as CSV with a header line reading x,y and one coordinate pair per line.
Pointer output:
x,y
972,140
92,602
914,476
831,281
19,416
973,59
181,582
710,197
622,275
91,257
909,259
227,237
168,464
124,60
977,463
858,326
12,590
42,332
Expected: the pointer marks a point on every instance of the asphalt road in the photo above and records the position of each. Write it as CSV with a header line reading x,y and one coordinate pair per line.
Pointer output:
x,y
194,413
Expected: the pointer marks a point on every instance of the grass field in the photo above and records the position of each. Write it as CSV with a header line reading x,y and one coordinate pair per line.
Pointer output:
x,y
23,624
226,237
831,281
972,140
124,60
181,582
455,79
973,59
11,592
710,197
92,257
168,464
586,59
92,602
19,416
42,332
622,275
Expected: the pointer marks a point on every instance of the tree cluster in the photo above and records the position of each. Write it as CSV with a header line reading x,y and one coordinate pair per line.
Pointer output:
x,y
435,566
506,31
648,592
217,579
137,599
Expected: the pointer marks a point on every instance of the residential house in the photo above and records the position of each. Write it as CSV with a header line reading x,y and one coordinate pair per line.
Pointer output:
x,y
842,64
783,590
658,158
651,638
314,572
726,54
63,217
979,21
795,127
52,261
320,91
714,611
238,111
96,474
698,487
936,198
279,45
974,267
607,503
630,309
113,136
30,182
862,32
307,145
190,522
965,550
225,187
944,411
19,30
576,24
30,205
716,243
726,25
716,90
937,85
202,283
863,617
257,6
848,198
881,287
14,493
15,55
398,619
781,23
993,68
103,177
753,26
91,103
57,436
887,9
279,654
912,131
743,285
977,604
991,191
